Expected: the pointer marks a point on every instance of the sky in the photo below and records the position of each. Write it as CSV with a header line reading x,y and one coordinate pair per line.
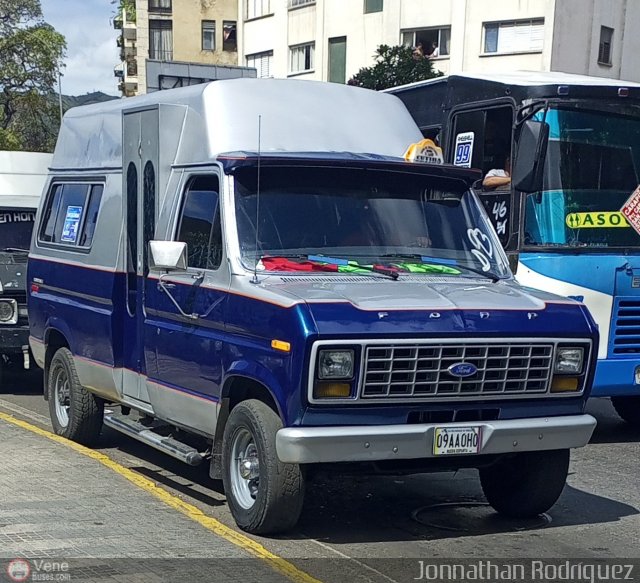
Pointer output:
x,y
91,44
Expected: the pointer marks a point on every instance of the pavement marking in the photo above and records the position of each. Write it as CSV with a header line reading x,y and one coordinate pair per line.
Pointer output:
x,y
23,412
356,561
252,547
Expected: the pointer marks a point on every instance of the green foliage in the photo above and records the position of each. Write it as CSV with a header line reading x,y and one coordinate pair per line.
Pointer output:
x,y
394,66
126,6
30,53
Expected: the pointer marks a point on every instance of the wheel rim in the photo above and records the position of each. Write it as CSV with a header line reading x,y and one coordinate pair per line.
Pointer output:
x,y
245,469
61,396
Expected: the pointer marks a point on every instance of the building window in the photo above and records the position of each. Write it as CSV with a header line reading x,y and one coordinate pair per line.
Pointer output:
x,y
514,36
257,8
299,3
161,40
431,42
606,44
208,35
229,38
372,6
301,58
337,60
262,62
160,6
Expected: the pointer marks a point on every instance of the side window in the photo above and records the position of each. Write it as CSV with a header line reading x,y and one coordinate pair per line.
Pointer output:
x,y
200,225
149,187
92,215
70,214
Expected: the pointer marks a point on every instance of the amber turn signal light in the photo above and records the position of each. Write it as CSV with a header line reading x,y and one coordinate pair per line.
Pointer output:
x,y
331,390
564,384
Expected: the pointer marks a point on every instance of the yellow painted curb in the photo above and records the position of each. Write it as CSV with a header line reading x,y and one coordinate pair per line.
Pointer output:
x,y
277,563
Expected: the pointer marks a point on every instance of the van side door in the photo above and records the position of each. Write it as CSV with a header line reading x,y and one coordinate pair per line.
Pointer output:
x,y
185,385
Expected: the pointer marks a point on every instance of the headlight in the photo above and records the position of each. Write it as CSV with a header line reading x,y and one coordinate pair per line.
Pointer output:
x,y
335,364
569,360
8,312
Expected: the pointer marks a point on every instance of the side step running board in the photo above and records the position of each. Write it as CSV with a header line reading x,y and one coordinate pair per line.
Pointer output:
x,y
181,451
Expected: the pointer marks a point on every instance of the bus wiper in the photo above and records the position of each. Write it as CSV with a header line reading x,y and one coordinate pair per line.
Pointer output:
x,y
15,250
391,273
449,263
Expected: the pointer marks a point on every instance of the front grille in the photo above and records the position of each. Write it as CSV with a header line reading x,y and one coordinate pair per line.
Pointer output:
x,y
420,370
626,327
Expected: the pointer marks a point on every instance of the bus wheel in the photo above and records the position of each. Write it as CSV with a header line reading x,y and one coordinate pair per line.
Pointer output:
x,y
628,408
264,495
75,412
526,484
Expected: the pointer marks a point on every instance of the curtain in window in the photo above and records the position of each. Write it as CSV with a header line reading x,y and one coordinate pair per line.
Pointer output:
x,y
161,40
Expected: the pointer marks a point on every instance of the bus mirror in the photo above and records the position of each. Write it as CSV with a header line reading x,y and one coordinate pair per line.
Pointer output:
x,y
530,155
168,255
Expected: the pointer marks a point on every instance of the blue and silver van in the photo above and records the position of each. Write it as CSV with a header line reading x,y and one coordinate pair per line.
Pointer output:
x,y
227,273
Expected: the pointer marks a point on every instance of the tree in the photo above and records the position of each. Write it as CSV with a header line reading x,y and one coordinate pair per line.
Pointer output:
x,y
394,66
126,6
30,54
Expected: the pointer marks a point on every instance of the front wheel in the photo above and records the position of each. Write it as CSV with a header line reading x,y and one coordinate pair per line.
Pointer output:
x,y
265,496
526,484
75,412
628,408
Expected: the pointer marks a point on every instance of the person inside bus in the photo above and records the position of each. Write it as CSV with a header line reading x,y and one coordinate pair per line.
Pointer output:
x,y
498,177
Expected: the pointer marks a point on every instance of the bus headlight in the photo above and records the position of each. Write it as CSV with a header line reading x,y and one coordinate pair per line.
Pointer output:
x,y
569,360
8,312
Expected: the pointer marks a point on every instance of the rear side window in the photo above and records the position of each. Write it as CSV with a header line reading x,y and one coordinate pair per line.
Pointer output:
x,y
71,214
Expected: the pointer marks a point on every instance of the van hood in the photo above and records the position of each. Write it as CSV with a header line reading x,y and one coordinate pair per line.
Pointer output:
x,y
435,305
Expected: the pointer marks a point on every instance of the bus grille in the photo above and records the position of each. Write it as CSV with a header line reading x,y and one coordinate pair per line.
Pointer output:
x,y
421,370
626,325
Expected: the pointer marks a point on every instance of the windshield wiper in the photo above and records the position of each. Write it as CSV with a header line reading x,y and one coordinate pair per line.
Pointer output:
x,y
15,250
337,261
448,263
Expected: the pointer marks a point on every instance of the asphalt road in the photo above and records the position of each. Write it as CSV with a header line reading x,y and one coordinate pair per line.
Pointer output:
x,y
361,523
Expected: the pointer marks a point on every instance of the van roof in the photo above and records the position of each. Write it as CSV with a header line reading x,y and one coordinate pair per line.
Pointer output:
x,y
525,79
201,122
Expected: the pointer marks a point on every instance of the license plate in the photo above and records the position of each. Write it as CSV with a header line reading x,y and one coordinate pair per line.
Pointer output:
x,y
457,440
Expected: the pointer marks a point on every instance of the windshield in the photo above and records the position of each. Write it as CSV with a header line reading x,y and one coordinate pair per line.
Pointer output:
x,y
16,226
590,170
348,218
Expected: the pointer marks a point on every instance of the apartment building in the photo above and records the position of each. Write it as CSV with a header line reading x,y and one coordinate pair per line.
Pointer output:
x,y
186,31
331,40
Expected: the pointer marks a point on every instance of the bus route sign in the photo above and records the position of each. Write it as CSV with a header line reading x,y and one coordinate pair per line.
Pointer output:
x,y
631,210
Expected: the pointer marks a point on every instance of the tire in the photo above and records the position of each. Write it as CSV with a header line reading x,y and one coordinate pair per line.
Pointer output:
x,y
526,484
268,498
75,412
628,408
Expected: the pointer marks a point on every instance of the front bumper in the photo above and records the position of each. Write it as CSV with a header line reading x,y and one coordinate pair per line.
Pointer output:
x,y
616,377
309,445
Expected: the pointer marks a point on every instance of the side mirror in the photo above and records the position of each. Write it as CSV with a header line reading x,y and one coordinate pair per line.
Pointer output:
x,y
168,255
530,156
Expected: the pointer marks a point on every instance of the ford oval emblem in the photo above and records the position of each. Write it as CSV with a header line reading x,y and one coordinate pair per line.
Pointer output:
x,y
462,369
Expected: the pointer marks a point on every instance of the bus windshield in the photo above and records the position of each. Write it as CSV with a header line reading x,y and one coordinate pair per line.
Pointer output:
x,y
363,217
591,168
16,226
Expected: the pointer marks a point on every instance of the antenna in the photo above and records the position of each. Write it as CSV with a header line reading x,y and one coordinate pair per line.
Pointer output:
x,y
255,265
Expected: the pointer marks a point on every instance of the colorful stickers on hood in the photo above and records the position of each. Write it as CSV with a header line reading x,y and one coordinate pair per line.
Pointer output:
x,y
287,264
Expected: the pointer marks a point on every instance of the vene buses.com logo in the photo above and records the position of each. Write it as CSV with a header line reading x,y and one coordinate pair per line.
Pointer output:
x,y
19,570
